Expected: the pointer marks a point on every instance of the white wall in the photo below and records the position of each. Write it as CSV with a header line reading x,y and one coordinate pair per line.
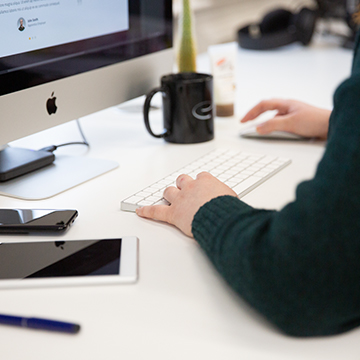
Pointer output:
x,y
217,21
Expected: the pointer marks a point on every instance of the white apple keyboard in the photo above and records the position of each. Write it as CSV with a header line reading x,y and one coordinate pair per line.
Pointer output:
x,y
242,171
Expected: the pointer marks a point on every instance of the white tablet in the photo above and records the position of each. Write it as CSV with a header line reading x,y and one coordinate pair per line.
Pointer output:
x,y
65,263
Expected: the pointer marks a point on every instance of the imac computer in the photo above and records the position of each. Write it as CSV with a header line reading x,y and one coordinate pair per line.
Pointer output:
x,y
62,60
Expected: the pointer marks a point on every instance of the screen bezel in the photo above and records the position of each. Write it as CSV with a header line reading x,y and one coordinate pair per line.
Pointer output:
x,y
25,112
128,272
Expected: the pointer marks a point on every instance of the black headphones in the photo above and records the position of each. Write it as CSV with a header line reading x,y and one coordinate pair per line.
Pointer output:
x,y
278,28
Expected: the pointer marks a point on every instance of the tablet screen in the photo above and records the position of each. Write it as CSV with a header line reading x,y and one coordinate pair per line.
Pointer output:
x,y
60,259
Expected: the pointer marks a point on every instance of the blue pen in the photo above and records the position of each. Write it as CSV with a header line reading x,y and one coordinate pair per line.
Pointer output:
x,y
42,324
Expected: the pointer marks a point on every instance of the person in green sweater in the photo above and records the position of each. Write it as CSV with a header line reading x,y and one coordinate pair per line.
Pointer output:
x,y
300,266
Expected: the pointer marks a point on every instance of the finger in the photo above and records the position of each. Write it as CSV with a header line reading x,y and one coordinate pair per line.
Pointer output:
x,y
170,193
203,174
265,105
155,212
182,180
278,123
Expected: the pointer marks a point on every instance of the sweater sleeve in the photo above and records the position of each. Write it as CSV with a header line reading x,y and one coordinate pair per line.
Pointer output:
x,y
300,266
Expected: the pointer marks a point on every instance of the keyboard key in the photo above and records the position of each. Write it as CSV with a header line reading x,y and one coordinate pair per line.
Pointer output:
x,y
134,199
142,194
246,185
145,203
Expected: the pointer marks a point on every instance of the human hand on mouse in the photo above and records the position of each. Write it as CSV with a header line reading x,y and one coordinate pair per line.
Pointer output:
x,y
186,199
292,116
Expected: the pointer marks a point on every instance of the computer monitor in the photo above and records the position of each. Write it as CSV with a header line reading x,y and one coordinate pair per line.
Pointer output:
x,y
62,60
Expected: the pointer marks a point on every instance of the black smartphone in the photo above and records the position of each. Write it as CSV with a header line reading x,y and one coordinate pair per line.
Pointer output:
x,y
26,221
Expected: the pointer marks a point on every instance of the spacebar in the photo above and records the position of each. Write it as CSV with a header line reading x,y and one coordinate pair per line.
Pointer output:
x,y
247,185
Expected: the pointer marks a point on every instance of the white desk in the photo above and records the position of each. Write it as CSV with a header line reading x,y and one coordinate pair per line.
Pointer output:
x,y
180,308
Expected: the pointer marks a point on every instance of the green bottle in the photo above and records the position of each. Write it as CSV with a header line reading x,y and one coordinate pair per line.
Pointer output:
x,y
186,55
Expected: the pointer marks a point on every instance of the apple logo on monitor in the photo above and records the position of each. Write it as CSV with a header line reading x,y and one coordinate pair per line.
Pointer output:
x,y
51,104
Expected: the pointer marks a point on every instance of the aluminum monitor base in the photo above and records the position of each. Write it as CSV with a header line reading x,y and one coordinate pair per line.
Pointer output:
x,y
65,173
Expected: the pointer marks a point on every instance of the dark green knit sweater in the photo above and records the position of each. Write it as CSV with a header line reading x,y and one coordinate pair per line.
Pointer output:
x,y
300,266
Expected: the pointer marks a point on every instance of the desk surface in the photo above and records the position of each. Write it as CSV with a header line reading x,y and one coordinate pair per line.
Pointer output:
x,y
180,308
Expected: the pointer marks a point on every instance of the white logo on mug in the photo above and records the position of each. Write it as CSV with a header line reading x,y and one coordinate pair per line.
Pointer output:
x,y
202,111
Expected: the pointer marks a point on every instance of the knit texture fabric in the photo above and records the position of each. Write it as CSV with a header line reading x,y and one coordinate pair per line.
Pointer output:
x,y
300,266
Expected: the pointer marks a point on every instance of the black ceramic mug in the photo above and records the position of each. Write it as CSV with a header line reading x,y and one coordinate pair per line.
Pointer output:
x,y
187,108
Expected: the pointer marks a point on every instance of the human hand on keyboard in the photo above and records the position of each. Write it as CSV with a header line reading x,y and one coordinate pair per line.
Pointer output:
x,y
185,200
292,116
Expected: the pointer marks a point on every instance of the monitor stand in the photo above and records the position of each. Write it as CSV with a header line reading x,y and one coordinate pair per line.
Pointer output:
x,y
64,173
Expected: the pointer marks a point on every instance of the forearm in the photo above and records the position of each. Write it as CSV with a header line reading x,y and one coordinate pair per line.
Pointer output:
x,y
277,262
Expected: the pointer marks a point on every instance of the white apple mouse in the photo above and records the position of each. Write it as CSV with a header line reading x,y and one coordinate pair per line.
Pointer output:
x,y
279,135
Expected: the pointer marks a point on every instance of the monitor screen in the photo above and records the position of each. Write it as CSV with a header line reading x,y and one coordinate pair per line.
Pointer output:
x,y
62,60
48,40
